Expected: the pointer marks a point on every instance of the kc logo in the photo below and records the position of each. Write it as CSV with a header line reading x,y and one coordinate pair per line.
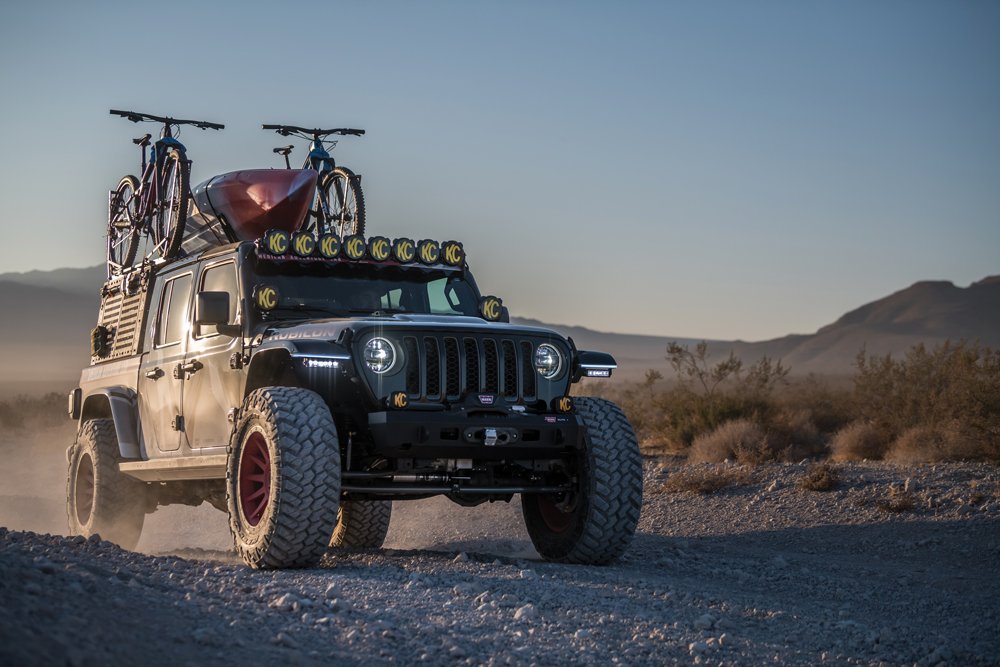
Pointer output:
x,y
491,308
304,244
453,253
276,242
404,250
329,246
378,248
565,404
267,297
429,251
355,246
399,400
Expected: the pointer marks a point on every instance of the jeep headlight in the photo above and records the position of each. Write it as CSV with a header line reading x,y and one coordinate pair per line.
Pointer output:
x,y
548,361
379,355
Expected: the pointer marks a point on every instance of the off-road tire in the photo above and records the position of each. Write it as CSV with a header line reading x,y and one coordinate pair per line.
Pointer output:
x,y
595,524
292,429
100,500
362,524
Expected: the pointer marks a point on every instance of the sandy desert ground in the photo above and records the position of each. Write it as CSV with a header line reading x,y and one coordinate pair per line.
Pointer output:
x,y
895,566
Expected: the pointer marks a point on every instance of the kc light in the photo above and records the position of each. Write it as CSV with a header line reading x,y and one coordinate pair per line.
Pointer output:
x,y
379,355
354,246
491,308
329,245
548,361
303,244
378,248
266,297
453,253
429,251
404,250
276,241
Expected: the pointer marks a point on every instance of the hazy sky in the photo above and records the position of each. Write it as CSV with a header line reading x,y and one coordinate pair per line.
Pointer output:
x,y
704,169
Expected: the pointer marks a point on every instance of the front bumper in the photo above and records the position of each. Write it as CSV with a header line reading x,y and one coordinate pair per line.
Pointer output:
x,y
481,437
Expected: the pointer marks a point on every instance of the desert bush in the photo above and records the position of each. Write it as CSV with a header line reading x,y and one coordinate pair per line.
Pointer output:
x,y
946,442
707,395
706,480
896,500
858,441
735,440
826,401
33,411
820,477
932,390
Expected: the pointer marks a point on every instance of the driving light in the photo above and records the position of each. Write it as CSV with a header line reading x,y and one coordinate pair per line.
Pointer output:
x,y
266,297
320,363
453,253
378,248
354,246
548,361
303,244
276,241
379,355
491,308
404,250
429,251
329,245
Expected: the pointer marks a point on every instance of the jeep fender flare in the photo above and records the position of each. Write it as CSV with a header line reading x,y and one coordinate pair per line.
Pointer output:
x,y
273,363
118,403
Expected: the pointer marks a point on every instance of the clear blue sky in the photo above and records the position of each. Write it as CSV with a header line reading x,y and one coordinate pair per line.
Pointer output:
x,y
704,169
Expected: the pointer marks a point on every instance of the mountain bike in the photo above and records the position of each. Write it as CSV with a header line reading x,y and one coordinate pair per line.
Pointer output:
x,y
151,210
339,204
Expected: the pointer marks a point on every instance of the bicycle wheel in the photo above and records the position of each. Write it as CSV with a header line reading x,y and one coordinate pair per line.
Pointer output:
x,y
342,204
170,215
123,226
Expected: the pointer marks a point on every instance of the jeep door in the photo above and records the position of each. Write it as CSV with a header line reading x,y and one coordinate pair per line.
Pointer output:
x,y
214,386
160,388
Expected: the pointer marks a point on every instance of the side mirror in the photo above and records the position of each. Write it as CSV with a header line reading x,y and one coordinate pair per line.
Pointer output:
x,y
211,308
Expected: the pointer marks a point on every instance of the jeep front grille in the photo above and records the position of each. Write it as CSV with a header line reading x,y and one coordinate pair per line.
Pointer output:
x,y
445,368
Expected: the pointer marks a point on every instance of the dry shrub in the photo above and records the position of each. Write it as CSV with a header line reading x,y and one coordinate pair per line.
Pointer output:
x,y
858,441
820,477
706,480
738,439
897,500
928,444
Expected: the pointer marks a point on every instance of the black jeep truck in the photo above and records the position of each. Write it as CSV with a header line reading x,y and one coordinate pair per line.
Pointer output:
x,y
304,389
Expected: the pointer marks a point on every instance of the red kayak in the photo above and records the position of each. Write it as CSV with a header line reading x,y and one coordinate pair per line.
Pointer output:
x,y
256,200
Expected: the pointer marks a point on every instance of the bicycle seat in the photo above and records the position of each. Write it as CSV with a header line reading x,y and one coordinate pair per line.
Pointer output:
x,y
283,150
142,141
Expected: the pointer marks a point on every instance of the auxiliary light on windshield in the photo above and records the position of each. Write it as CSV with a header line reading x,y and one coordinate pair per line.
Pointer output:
x,y
356,248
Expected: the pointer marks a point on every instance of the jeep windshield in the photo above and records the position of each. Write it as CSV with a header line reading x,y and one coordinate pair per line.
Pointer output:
x,y
351,290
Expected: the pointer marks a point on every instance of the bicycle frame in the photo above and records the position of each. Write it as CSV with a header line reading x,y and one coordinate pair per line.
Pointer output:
x,y
152,175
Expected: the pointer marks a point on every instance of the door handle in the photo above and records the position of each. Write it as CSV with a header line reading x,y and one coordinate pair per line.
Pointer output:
x,y
193,366
155,374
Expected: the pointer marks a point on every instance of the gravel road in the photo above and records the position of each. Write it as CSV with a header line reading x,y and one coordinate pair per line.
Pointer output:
x,y
895,566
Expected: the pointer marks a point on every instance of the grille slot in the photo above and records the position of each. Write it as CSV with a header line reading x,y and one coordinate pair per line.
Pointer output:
x,y
446,368
433,365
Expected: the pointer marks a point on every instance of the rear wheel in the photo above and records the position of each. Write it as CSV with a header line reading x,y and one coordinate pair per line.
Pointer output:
x,y
100,500
362,524
283,478
595,523
171,213
123,226
342,204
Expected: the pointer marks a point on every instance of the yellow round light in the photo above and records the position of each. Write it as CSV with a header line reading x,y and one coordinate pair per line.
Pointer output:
x,y
266,297
276,241
491,308
303,244
429,251
329,245
453,253
354,246
378,248
404,250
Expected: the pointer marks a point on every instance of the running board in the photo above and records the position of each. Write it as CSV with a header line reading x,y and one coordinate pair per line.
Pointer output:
x,y
177,469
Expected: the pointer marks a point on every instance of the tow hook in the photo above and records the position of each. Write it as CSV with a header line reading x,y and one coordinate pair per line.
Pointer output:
x,y
490,438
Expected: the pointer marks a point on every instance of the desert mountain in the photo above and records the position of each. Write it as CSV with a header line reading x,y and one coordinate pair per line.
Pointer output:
x,y
48,316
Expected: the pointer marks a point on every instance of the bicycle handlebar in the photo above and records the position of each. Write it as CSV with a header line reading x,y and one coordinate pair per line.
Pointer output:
x,y
285,130
136,117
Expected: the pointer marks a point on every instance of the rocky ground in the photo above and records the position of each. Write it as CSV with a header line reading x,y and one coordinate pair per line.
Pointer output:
x,y
893,565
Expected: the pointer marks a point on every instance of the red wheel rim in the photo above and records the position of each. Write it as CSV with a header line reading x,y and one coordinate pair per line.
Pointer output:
x,y
84,489
255,478
555,519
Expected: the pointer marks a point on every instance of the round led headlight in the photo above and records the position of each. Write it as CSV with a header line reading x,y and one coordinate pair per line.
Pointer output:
x,y
379,355
548,361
